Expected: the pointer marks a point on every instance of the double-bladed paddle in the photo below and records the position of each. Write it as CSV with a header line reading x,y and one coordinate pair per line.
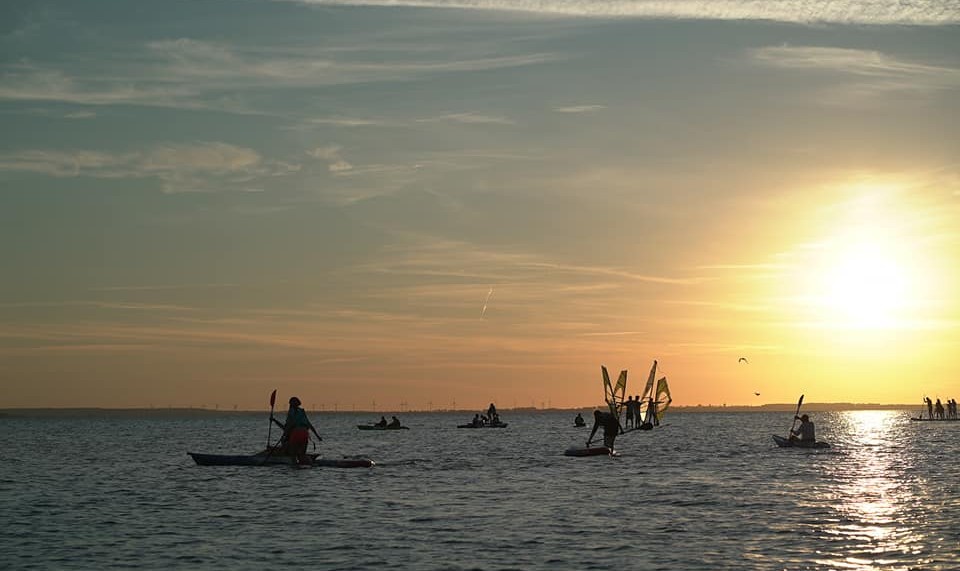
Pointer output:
x,y
792,426
273,400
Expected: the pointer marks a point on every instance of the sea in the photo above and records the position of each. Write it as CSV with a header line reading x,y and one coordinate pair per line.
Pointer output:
x,y
702,491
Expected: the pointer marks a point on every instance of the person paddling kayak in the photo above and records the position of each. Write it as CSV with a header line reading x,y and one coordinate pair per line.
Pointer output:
x,y
296,431
805,432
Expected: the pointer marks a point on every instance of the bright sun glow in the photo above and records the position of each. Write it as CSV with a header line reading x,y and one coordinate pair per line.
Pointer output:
x,y
863,285
863,275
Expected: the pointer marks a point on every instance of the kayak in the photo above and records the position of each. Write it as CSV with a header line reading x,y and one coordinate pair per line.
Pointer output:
x,y
589,451
375,427
787,443
488,425
263,459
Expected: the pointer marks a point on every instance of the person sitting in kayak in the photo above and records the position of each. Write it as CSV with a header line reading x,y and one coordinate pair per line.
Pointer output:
x,y
382,423
805,432
579,420
296,431
394,422
611,428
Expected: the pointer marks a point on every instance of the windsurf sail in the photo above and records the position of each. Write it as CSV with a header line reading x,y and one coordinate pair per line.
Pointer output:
x,y
614,394
663,398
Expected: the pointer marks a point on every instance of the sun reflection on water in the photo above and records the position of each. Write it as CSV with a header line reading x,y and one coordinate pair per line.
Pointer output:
x,y
874,493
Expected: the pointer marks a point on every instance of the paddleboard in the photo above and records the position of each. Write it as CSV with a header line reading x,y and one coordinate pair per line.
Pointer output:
x,y
589,451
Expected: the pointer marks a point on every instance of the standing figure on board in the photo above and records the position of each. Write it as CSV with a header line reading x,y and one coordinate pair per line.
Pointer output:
x,y
611,428
296,431
938,410
929,407
629,406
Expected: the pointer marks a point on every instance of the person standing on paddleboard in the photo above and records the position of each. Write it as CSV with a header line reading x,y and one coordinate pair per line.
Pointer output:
x,y
805,431
296,431
611,428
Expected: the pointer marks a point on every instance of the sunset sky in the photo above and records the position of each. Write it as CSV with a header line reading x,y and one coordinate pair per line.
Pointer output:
x,y
416,203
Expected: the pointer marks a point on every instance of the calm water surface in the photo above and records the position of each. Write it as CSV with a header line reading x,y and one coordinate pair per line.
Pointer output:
x,y
706,491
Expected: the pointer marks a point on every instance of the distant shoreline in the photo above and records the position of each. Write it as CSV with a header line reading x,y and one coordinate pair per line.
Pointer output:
x,y
206,412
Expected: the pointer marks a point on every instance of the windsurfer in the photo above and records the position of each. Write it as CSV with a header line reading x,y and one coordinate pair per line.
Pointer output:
x,y
611,428
805,432
629,406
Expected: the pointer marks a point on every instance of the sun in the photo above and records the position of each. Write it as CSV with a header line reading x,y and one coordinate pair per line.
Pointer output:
x,y
863,274
863,285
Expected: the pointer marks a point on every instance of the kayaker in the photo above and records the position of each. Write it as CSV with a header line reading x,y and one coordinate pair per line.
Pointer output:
x,y
579,420
382,423
611,428
296,431
394,422
805,432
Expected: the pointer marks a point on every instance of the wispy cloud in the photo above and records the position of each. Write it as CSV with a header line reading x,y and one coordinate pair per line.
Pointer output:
x,y
195,74
180,167
804,11
868,71
579,108
468,118
331,154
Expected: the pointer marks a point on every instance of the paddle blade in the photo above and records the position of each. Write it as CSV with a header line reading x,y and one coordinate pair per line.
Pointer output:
x,y
273,398
799,402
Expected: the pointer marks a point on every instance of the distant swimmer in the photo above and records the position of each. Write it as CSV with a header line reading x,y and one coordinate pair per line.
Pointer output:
x,y
743,360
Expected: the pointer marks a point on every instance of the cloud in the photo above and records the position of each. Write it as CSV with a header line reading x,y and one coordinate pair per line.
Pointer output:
x,y
931,12
335,162
469,118
194,74
206,166
869,71
579,109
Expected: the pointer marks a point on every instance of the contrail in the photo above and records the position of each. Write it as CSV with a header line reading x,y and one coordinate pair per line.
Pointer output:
x,y
484,310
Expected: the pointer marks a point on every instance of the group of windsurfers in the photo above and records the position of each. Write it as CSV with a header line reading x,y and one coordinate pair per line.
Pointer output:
x,y
633,416
937,411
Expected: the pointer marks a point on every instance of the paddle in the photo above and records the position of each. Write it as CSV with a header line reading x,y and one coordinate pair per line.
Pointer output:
x,y
273,401
792,426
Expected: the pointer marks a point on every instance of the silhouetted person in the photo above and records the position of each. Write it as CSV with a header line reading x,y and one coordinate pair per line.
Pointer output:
x,y
296,431
394,422
805,433
611,428
382,423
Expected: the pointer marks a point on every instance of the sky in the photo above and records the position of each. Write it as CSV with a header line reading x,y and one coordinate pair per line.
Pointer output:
x,y
427,204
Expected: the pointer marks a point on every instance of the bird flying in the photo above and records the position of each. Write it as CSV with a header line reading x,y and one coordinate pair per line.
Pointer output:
x,y
743,359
